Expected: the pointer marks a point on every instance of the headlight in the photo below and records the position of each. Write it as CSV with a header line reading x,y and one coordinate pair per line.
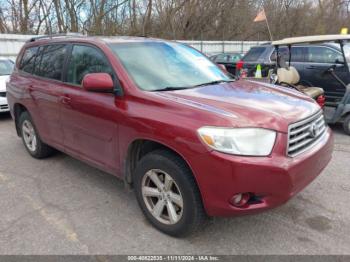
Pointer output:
x,y
239,141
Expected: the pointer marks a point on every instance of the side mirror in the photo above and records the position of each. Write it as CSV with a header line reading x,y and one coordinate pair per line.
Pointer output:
x,y
339,62
98,82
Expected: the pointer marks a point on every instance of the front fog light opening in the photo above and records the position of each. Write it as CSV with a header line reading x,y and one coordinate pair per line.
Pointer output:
x,y
240,200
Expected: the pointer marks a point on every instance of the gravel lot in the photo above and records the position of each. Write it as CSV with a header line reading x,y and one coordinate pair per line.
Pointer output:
x,y
63,206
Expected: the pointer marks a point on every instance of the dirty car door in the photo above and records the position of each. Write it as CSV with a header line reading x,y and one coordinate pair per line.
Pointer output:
x,y
89,118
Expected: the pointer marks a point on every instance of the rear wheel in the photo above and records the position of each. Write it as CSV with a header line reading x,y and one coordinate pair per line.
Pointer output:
x,y
168,194
346,125
31,139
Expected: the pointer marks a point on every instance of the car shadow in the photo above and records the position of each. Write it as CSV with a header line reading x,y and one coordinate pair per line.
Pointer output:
x,y
5,116
338,129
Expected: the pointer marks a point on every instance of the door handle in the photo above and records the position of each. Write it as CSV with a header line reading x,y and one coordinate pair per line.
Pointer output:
x,y
311,67
65,100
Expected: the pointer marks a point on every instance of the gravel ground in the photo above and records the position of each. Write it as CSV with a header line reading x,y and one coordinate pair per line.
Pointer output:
x,y
63,206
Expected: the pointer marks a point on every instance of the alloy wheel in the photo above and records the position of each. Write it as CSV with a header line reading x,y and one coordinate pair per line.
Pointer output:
x,y
162,196
29,135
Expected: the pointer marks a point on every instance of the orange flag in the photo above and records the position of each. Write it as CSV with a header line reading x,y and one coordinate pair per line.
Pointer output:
x,y
261,16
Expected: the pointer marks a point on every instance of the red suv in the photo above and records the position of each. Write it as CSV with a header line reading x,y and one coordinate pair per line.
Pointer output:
x,y
192,141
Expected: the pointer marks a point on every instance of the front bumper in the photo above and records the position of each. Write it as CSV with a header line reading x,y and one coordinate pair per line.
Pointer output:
x,y
4,107
273,179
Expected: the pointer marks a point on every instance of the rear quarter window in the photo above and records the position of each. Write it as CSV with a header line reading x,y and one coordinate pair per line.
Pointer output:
x,y
28,59
254,54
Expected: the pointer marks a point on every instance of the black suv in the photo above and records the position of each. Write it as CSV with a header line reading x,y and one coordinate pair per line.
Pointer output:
x,y
311,61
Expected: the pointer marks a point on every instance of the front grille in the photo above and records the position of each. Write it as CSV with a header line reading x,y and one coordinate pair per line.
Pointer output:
x,y
2,94
4,107
305,134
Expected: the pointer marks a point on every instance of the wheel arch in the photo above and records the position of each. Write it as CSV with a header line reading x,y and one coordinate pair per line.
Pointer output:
x,y
346,111
18,109
139,148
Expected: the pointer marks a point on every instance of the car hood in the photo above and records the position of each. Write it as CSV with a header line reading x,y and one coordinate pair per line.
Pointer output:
x,y
249,103
3,80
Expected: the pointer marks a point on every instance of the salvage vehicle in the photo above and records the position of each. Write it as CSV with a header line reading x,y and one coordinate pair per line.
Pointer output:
x,y
190,140
311,61
6,66
229,60
262,55
328,59
264,61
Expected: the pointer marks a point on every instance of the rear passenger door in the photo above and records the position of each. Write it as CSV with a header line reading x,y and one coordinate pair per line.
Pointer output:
x,y
318,60
89,119
44,88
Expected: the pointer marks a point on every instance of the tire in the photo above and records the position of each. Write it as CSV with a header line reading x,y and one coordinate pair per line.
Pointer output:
x,y
37,149
346,125
191,215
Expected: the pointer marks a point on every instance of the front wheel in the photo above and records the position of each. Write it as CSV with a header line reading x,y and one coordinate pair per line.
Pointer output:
x,y
346,125
168,194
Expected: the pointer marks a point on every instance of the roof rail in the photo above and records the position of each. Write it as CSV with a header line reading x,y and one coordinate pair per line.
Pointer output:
x,y
33,39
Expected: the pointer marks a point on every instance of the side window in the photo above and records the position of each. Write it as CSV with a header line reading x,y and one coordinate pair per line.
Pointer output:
x,y
85,60
221,58
50,63
6,67
254,54
28,60
234,58
298,54
325,55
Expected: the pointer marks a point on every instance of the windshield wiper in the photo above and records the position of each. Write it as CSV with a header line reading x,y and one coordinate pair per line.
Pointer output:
x,y
215,82
173,88
170,88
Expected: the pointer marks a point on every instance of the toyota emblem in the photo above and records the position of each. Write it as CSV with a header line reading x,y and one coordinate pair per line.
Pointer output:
x,y
313,130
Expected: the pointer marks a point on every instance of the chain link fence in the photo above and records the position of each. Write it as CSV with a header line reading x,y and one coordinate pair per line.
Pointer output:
x,y
216,47
10,45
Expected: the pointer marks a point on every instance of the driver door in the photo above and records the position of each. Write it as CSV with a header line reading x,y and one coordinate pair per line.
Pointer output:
x,y
318,60
89,119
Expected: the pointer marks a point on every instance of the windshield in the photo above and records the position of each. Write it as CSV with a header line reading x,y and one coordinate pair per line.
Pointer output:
x,y
163,65
6,67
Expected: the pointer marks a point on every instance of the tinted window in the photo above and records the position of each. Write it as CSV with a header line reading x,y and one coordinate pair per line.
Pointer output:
x,y
298,54
50,61
318,54
235,57
223,58
28,59
86,60
6,67
254,54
